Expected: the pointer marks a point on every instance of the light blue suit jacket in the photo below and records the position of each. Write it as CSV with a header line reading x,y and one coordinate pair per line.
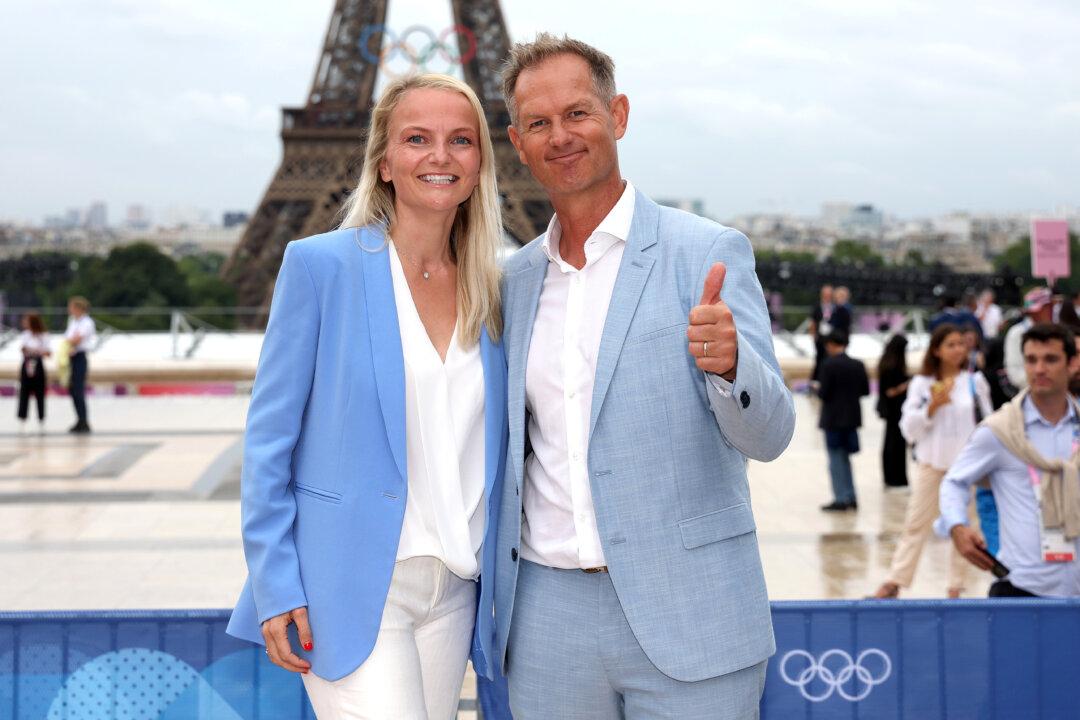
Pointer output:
x,y
324,479
667,451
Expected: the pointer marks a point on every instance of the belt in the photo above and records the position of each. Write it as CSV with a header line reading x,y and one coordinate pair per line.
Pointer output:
x,y
590,571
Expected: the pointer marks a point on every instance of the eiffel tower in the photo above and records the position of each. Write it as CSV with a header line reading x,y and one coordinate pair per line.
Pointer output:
x,y
323,151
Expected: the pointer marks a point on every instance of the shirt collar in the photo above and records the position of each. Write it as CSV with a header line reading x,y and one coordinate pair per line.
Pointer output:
x,y
1032,416
613,229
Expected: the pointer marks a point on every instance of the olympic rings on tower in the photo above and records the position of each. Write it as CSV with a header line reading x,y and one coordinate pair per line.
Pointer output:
x,y
459,51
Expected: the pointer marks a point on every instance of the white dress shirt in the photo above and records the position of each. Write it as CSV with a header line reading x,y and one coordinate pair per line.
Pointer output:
x,y
1020,517
559,528
85,329
939,439
444,443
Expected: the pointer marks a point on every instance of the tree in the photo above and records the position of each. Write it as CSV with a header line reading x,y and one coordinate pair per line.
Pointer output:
x,y
855,252
133,276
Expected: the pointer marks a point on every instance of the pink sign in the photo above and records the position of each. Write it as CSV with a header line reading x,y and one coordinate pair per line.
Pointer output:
x,y
1050,249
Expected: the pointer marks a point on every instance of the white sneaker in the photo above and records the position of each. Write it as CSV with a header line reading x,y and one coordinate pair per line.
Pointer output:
x,y
22,428
41,427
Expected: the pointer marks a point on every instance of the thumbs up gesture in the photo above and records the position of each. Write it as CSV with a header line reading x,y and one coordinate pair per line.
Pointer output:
x,y
711,333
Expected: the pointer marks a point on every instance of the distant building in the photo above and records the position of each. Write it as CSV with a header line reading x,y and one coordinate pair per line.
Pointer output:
x,y
690,205
137,218
97,217
864,222
233,218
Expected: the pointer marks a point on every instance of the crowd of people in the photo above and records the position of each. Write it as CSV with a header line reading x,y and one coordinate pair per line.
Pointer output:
x,y
990,420
72,365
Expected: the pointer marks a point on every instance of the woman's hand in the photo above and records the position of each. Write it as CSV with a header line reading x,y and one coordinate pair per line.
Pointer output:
x,y
940,393
277,640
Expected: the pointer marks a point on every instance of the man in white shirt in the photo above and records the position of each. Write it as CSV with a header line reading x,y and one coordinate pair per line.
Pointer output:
x,y
1021,448
81,335
641,376
989,314
1038,308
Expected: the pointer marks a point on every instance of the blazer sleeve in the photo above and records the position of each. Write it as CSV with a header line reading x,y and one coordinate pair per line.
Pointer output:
x,y
915,420
757,417
280,393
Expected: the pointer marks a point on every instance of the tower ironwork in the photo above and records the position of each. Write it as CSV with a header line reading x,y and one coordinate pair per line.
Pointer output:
x,y
322,141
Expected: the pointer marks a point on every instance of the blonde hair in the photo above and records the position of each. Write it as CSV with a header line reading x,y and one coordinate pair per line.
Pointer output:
x,y
477,231
528,55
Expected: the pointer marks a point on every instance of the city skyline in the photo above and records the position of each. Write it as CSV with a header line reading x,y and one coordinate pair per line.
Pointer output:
x,y
918,110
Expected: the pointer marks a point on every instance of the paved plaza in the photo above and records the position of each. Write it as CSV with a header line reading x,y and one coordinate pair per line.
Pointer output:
x,y
144,513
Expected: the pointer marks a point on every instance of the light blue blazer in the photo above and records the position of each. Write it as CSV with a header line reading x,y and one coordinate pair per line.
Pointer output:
x,y
667,450
324,476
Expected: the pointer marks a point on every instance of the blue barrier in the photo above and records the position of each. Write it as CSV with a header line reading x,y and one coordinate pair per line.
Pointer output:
x,y
1005,659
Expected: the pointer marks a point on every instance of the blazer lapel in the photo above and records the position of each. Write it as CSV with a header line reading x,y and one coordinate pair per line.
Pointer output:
x,y
633,272
523,290
386,355
494,408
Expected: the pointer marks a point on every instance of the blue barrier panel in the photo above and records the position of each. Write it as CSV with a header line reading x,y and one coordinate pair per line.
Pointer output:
x,y
925,660
914,660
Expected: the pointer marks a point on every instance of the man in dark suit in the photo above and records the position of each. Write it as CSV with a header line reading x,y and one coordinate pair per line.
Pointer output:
x,y
843,382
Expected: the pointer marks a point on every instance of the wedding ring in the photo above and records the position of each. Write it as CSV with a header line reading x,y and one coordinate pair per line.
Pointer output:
x,y
705,350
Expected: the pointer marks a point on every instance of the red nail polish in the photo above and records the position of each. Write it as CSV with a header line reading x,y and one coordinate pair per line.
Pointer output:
x,y
309,646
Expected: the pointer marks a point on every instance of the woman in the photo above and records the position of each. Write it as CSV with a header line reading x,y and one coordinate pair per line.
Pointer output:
x,y
376,433
892,391
34,343
941,410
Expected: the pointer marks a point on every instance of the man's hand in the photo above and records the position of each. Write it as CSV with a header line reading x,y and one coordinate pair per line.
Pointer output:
x,y
711,332
968,542
277,641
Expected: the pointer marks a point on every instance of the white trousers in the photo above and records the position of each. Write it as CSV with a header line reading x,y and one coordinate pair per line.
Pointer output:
x,y
417,667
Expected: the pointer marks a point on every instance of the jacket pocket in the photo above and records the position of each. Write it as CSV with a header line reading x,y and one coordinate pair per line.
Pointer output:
x,y
657,333
317,493
718,525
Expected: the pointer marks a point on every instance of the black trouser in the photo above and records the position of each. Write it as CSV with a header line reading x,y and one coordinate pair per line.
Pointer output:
x,y
32,385
894,455
77,388
1004,588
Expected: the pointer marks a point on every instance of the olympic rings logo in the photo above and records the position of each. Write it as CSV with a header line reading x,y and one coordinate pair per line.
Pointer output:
x,y
456,45
845,678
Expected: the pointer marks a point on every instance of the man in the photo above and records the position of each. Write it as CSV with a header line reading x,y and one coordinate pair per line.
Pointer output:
x,y
843,383
1038,308
1074,380
1028,449
641,377
989,314
81,336
821,326
961,316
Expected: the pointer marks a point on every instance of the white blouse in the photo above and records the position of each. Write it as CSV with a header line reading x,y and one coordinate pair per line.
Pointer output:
x,y
939,439
444,442
38,345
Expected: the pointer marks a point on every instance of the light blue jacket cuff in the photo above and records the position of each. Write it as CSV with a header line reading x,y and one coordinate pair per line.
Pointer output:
x,y
756,412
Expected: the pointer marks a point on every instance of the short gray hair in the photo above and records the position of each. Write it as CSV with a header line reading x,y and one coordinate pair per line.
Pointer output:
x,y
546,46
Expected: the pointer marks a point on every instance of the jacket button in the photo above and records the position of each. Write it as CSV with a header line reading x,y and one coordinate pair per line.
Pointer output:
x,y
513,554
744,398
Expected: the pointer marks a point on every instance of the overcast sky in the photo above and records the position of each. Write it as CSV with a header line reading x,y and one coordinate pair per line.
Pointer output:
x,y
917,108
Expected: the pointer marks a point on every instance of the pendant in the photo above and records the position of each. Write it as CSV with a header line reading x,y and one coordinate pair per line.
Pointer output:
x,y
426,275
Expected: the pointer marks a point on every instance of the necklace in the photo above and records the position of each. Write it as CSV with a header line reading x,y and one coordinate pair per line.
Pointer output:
x,y
426,275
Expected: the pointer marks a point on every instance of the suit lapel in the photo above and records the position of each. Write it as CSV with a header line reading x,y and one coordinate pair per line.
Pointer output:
x,y
494,408
633,272
386,355
523,290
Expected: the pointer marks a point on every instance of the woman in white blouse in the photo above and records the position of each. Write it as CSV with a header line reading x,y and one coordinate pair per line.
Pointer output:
x,y
376,432
34,343
945,402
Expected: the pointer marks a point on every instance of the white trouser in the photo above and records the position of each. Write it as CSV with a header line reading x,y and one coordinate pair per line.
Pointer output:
x,y
417,667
